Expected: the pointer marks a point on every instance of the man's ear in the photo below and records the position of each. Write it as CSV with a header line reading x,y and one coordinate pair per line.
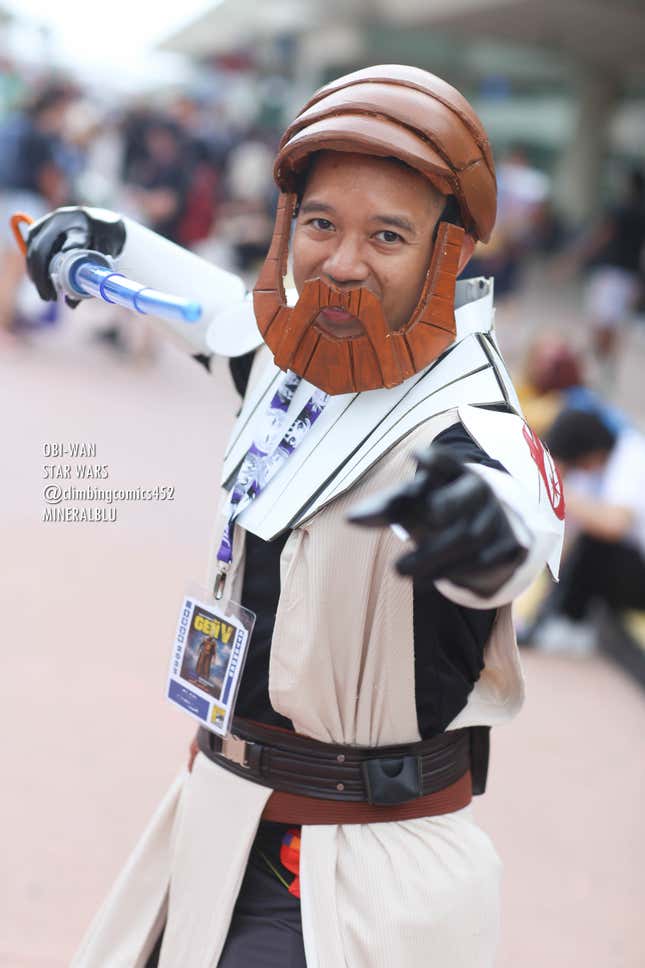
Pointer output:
x,y
467,249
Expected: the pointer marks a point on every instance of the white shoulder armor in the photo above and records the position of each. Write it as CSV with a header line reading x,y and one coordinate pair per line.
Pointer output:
x,y
234,331
532,487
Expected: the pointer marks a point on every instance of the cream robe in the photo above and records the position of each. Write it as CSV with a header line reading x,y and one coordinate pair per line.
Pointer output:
x,y
416,893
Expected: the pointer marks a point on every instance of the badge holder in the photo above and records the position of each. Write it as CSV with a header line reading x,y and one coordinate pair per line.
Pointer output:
x,y
208,657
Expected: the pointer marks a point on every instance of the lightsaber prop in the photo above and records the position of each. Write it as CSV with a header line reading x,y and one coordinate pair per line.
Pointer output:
x,y
84,274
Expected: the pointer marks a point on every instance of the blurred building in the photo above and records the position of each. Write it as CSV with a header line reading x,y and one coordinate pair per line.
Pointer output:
x,y
567,80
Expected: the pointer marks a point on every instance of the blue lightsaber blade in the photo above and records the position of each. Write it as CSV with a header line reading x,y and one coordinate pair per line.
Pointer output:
x,y
80,275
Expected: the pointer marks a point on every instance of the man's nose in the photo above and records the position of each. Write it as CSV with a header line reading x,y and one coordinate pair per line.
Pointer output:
x,y
345,264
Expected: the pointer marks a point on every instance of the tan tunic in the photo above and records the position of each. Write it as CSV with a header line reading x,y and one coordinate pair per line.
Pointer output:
x,y
411,894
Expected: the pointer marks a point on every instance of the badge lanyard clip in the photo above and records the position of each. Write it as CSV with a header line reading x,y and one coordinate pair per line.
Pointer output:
x,y
220,580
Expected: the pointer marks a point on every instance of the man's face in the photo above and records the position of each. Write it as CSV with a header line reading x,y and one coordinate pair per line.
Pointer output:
x,y
365,222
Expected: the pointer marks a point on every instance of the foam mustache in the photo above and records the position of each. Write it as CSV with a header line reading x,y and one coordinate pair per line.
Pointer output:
x,y
302,340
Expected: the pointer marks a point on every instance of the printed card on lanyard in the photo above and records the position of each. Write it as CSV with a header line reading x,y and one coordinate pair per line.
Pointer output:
x,y
213,633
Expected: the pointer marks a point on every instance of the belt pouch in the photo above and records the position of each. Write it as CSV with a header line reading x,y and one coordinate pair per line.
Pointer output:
x,y
392,780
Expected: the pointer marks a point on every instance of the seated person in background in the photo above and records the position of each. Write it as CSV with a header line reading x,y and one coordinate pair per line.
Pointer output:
x,y
605,493
553,380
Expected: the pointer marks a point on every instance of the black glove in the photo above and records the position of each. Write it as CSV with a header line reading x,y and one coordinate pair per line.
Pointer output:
x,y
65,229
456,521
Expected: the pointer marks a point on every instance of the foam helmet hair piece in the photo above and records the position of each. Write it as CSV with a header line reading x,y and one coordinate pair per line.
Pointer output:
x,y
390,111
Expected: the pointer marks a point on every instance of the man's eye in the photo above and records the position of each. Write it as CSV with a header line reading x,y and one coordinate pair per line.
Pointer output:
x,y
387,236
321,223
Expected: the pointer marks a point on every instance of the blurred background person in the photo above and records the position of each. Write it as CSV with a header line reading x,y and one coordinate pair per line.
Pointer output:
x,y
205,149
523,195
552,379
94,136
604,473
35,176
613,252
247,215
157,178
156,174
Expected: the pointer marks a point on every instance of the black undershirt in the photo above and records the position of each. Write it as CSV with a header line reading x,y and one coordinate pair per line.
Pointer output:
x,y
260,593
449,639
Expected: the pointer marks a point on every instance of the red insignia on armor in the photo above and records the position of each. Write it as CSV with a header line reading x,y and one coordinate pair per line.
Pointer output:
x,y
548,471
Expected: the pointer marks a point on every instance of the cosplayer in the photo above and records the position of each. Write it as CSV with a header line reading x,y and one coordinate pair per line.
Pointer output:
x,y
382,653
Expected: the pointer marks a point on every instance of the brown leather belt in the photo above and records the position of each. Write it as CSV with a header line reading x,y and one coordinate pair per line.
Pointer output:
x,y
290,808
324,783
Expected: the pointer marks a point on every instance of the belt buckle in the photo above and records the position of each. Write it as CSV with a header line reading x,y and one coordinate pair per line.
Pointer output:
x,y
234,748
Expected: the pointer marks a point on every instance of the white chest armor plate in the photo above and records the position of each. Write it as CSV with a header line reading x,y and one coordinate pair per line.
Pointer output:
x,y
356,429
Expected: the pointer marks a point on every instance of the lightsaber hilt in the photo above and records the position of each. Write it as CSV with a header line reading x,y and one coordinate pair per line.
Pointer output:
x,y
83,274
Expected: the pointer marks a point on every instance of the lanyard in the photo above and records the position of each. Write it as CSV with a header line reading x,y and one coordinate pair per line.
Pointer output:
x,y
264,458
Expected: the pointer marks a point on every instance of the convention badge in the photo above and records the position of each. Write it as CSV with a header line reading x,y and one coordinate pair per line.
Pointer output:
x,y
213,635
208,658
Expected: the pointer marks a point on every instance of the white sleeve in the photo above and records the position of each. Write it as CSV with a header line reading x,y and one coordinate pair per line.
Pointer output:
x,y
227,325
623,480
530,493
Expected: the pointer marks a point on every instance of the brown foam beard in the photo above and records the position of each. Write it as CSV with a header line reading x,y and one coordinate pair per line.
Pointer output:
x,y
379,357
336,363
